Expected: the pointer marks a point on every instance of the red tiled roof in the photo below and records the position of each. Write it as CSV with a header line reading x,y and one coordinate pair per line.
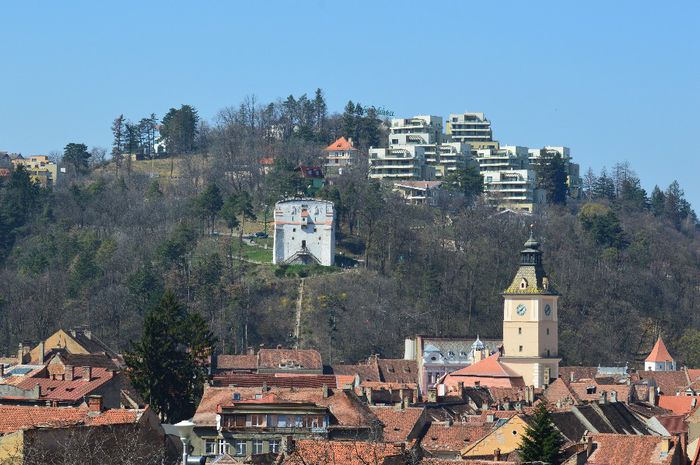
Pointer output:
x,y
453,438
311,171
434,461
673,423
668,382
236,362
679,405
578,372
398,423
267,161
488,367
342,144
276,380
366,371
69,391
398,370
16,417
693,374
620,449
307,359
559,391
659,353
345,407
323,452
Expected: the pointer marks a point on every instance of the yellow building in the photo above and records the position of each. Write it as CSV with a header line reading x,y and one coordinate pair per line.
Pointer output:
x,y
530,321
506,439
42,170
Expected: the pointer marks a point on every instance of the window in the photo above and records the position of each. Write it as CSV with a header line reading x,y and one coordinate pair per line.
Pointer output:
x,y
520,330
590,390
315,229
275,446
257,420
240,447
547,331
257,446
520,349
547,352
210,447
294,229
223,447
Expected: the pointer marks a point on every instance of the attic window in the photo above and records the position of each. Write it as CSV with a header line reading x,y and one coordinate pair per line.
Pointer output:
x,y
406,370
590,390
391,369
523,283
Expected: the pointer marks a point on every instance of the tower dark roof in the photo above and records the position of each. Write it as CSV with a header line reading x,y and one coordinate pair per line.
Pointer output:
x,y
531,277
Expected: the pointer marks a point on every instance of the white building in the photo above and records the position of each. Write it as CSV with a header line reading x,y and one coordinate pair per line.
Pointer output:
x,y
472,128
304,232
509,183
659,359
417,150
401,162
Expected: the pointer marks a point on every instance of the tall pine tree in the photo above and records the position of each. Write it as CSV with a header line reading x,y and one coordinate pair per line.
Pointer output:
x,y
542,440
168,365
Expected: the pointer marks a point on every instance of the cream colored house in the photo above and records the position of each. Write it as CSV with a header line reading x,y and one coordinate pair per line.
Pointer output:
x,y
530,321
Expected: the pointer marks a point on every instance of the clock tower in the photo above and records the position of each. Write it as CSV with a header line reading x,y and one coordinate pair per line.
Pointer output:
x,y
530,321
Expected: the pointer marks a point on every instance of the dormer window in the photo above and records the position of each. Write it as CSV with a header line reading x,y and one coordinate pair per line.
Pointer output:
x,y
523,283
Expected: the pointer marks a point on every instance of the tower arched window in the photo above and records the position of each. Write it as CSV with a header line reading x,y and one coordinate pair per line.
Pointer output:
x,y
523,283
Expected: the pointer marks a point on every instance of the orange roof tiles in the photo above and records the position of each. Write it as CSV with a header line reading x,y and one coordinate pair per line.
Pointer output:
x,y
336,452
398,424
340,145
69,391
487,372
236,362
659,353
620,449
307,359
16,417
442,437
281,380
679,405
668,382
673,423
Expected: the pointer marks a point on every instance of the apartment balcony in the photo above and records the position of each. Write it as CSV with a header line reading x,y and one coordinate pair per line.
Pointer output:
x,y
274,429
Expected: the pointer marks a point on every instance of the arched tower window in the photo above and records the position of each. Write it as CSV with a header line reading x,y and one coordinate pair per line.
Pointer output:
x,y
523,283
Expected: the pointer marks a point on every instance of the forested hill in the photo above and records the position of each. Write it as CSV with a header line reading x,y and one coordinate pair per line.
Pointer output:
x,y
103,245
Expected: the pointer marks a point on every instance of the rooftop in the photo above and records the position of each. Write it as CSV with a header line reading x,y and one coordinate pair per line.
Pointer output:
x,y
659,353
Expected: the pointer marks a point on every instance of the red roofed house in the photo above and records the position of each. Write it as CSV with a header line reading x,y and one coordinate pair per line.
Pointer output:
x,y
339,154
307,452
488,372
620,449
251,421
659,359
32,434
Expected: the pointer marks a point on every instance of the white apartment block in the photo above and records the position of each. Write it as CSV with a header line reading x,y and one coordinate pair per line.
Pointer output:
x,y
472,128
304,232
419,130
401,162
447,157
509,183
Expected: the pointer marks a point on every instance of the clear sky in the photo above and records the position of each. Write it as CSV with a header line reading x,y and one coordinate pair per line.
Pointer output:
x,y
613,80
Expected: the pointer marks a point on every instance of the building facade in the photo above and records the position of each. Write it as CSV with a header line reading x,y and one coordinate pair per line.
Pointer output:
x,y
471,128
573,170
401,162
509,181
304,232
659,359
530,321
339,155
42,170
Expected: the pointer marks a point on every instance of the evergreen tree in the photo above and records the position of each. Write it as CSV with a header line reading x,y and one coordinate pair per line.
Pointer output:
x,y
467,182
552,177
168,365
119,134
589,181
604,187
657,201
632,197
320,115
349,125
179,129
77,156
208,204
542,440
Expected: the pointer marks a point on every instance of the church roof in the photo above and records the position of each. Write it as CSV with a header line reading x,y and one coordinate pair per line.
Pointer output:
x,y
531,277
659,353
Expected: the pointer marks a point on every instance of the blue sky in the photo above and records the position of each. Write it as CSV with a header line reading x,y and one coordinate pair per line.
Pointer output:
x,y
612,80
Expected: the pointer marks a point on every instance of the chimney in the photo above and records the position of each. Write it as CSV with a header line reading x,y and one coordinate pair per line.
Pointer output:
x,y
477,383
69,373
324,389
87,373
2,370
95,403
572,378
603,398
589,446
665,445
251,351
694,402
42,353
652,395
264,386
432,394
490,418
497,455
460,389
350,141
613,396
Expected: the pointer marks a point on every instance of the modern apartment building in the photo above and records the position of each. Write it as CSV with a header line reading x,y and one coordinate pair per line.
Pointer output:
x,y
471,128
509,182
417,150
400,162
573,175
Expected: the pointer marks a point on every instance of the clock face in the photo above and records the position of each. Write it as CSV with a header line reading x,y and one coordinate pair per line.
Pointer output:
x,y
547,309
520,309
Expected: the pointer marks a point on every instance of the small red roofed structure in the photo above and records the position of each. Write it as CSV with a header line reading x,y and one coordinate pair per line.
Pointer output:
x,y
488,372
659,359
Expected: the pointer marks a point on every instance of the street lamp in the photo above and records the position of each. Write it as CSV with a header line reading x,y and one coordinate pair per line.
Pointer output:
x,y
184,429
